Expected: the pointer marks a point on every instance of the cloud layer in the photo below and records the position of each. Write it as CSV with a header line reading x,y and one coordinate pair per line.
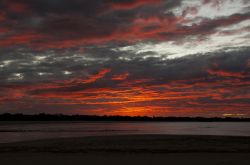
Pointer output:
x,y
125,57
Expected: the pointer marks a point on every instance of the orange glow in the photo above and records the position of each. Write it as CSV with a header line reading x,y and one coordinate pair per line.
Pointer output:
x,y
134,99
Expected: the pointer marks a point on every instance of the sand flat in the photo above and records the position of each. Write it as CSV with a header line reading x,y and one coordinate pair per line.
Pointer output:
x,y
130,149
134,144
125,158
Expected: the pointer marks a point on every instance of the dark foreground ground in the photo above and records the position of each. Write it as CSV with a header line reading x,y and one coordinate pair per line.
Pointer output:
x,y
130,149
125,159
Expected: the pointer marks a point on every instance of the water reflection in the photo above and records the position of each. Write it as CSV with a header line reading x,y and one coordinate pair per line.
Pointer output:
x,y
20,131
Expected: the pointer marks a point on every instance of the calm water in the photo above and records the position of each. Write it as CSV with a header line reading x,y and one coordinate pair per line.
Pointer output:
x,y
23,131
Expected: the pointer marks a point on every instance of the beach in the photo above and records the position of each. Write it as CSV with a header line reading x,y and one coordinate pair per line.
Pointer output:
x,y
130,149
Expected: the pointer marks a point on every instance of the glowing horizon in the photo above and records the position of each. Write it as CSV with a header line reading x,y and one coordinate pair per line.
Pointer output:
x,y
125,57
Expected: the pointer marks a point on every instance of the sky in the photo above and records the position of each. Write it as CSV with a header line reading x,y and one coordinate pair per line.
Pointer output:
x,y
125,57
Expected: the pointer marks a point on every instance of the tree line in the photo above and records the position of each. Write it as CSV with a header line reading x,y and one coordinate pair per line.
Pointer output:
x,y
62,117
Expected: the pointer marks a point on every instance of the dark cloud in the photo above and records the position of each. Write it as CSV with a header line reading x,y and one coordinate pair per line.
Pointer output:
x,y
209,80
75,22
65,56
63,24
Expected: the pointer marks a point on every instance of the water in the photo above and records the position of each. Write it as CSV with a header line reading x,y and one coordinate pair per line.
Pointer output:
x,y
24,131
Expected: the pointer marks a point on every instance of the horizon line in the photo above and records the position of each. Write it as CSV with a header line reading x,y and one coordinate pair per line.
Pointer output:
x,y
81,117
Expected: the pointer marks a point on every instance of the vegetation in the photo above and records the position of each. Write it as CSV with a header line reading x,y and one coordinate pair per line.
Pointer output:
x,y
61,117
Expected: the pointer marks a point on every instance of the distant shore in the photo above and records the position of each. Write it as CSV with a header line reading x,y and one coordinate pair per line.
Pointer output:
x,y
130,149
62,117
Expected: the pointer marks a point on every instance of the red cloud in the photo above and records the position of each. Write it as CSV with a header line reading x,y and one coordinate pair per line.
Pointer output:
x,y
133,4
3,30
98,76
223,73
2,16
187,97
17,7
120,77
26,38
154,27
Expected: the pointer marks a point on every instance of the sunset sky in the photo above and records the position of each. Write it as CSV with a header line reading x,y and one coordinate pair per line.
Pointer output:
x,y
125,57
